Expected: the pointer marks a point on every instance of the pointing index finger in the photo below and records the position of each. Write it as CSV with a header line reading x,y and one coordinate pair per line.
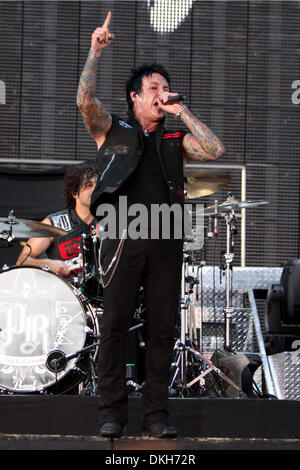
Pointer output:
x,y
107,20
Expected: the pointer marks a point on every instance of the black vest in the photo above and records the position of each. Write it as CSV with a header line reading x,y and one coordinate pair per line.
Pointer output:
x,y
120,154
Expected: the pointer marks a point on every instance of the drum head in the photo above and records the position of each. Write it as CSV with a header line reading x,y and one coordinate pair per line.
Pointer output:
x,y
39,313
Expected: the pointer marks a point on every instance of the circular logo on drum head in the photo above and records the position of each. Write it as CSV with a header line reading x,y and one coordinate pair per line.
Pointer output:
x,y
39,313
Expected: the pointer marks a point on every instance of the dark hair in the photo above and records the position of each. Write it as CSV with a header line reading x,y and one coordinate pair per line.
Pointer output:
x,y
74,177
134,83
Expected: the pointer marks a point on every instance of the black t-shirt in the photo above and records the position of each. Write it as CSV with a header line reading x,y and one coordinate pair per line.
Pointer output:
x,y
147,184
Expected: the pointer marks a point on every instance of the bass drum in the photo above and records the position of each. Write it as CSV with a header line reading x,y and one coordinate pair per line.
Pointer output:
x,y
44,325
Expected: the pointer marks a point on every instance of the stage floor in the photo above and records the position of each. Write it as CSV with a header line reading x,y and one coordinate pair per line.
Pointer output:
x,y
71,422
179,446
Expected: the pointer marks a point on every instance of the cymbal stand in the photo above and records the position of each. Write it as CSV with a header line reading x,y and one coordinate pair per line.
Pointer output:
x,y
184,345
181,360
8,234
184,320
229,255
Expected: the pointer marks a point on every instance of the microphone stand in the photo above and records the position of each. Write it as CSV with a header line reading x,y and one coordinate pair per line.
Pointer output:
x,y
57,361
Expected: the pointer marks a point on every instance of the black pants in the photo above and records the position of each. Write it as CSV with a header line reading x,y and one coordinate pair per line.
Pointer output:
x,y
156,265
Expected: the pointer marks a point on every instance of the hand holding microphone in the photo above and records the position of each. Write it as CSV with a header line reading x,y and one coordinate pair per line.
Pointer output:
x,y
175,99
170,98
173,103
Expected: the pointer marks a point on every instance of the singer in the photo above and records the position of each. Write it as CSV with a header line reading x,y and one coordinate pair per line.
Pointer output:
x,y
140,159
75,219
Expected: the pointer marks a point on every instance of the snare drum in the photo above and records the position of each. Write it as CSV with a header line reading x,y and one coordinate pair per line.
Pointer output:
x,y
43,319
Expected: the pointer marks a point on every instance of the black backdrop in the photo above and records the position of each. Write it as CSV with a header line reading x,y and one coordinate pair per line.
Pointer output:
x,y
234,60
31,194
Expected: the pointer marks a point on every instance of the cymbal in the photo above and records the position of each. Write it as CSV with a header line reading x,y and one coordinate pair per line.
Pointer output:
x,y
231,204
200,183
22,228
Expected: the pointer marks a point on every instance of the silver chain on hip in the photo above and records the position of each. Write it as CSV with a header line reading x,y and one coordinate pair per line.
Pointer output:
x,y
114,262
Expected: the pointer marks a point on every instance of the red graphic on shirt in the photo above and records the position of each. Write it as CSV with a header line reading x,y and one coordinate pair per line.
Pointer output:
x,y
70,248
173,135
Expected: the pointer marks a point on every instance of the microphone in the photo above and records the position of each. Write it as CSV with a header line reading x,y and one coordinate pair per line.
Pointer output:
x,y
175,98
56,361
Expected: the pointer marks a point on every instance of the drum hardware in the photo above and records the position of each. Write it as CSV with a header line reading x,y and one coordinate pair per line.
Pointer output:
x,y
227,210
46,268
88,279
213,230
141,341
136,348
11,228
57,360
233,204
93,388
183,363
74,263
188,359
132,386
82,257
229,255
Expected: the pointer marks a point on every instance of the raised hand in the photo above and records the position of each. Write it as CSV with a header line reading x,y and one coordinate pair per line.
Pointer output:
x,y
102,37
95,116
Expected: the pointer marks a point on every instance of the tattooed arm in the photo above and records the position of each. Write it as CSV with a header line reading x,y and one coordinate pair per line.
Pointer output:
x,y
96,118
201,144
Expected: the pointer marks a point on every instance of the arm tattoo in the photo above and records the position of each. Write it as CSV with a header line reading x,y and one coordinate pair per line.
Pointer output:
x,y
95,116
201,144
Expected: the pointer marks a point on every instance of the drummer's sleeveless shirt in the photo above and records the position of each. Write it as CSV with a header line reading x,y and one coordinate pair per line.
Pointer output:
x,y
66,247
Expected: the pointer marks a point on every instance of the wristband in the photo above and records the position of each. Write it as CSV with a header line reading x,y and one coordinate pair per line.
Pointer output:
x,y
183,107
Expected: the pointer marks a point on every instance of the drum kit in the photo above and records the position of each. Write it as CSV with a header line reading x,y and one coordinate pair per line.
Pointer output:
x,y
191,366
50,328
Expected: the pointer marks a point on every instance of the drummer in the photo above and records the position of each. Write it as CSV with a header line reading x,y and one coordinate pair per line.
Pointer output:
x,y
75,219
